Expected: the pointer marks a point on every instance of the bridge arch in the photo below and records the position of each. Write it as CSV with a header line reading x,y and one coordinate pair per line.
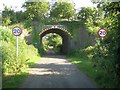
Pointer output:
x,y
60,30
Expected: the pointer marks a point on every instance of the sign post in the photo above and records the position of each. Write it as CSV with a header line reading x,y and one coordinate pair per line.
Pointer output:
x,y
17,31
16,46
102,33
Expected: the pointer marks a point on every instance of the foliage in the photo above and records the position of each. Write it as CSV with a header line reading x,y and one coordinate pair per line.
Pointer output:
x,y
63,10
11,64
28,24
5,35
32,55
35,37
20,16
8,53
9,16
14,69
36,10
6,16
106,52
86,13
112,19
92,18
53,41
104,55
6,21
110,22
14,81
97,74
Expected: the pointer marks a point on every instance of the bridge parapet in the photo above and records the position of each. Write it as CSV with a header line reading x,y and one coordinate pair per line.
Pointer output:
x,y
54,27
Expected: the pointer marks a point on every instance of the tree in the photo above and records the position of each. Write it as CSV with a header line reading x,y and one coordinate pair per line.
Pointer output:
x,y
108,18
86,13
6,21
112,16
7,16
36,10
64,10
20,16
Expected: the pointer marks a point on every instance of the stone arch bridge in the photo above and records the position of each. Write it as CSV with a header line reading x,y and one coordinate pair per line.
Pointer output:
x,y
62,31
82,40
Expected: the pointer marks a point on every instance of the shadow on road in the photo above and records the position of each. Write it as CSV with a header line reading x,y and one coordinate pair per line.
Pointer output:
x,y
54,71
54,56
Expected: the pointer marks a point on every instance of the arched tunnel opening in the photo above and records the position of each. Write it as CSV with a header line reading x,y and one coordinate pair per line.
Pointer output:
x,y
66,39
52,43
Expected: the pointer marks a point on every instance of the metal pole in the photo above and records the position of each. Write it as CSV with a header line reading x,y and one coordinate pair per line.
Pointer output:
x,y
102,39
16,47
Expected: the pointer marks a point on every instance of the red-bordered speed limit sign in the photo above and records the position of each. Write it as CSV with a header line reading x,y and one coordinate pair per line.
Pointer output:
x,y
17,31
102,33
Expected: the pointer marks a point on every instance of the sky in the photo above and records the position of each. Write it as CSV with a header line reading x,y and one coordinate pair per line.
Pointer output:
x,y
16,4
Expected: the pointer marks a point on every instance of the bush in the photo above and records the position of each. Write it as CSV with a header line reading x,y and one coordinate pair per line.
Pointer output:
x,y
8,57
6,35
10,63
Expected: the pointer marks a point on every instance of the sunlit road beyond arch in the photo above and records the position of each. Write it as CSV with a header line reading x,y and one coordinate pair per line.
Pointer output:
x,y
56,72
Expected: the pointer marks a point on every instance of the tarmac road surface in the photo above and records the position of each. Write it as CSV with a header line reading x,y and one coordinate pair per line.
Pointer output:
x,y
54,71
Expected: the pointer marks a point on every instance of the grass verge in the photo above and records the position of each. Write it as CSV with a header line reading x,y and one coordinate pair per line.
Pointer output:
x,y
97,74
14,81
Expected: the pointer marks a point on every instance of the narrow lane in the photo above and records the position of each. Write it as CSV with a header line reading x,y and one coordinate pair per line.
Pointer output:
x,y
56,72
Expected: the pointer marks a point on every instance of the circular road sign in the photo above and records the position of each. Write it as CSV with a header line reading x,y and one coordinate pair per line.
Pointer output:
x,y
17,31
102,33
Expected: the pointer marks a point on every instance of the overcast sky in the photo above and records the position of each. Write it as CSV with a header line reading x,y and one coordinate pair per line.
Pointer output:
x,y
19,3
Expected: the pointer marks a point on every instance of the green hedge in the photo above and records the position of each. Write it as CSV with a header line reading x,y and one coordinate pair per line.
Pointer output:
x,y
11,64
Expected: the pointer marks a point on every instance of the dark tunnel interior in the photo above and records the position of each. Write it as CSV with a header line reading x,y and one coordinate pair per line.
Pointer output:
x,y
65,38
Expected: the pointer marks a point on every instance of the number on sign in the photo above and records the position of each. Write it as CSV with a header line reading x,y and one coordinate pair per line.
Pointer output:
x,y
17,31
103,33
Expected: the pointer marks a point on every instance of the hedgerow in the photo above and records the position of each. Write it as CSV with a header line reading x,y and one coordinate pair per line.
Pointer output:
x,y
10,63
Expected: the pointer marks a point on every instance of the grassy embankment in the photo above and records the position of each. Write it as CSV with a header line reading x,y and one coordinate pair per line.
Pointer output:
x,y
13,76
15,80
97,74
